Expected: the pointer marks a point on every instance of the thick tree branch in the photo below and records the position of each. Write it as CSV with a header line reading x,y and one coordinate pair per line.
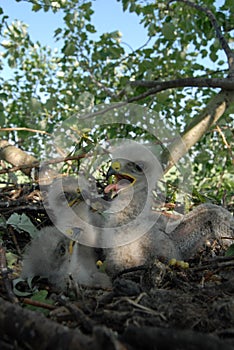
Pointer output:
x,y
26,329
32,330
16,157
23,161
198,127
227,84
149,338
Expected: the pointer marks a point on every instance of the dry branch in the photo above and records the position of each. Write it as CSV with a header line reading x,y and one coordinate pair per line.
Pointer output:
x,y
16,157
198,127
32,329
149,338
24,129
226,83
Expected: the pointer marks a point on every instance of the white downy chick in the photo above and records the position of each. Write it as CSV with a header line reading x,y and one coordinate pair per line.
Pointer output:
x,y
52,255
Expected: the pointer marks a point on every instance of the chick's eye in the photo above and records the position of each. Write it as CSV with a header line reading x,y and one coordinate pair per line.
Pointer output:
x,y
116,165
61,249
139,167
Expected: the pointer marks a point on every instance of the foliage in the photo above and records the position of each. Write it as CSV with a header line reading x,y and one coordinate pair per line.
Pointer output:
x,y
48,85
230,251
22,222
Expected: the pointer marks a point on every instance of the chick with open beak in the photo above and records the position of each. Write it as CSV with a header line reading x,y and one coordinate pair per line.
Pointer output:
x,y
121,180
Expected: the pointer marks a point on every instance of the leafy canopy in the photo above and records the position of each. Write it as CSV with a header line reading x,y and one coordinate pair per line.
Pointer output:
x,y
48,86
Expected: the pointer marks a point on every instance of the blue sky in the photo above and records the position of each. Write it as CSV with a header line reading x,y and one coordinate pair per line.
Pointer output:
x,y
108,16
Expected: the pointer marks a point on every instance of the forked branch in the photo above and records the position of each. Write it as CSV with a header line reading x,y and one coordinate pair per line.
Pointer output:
x,y
219,35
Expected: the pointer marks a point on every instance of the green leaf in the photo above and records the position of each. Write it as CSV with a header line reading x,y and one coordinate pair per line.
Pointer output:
x,y
41,296
213,56
50,103
22,222
125,4
69,49
90,28
12,62
230,250
168,31
35,105
36,7
57,32
11,259
2,222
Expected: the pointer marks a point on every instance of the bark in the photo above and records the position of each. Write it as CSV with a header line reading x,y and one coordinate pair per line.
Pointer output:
x,y
32,330
225,83
150,338
23,161
16,157
26,329
198,127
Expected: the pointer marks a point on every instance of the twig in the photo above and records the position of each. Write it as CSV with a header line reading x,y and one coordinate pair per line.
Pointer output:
x,y
144,95
225,142
25,129
215,263
100,85
130,269
38,163
14,240
141,307
37,303
4,271
20,208
86,322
